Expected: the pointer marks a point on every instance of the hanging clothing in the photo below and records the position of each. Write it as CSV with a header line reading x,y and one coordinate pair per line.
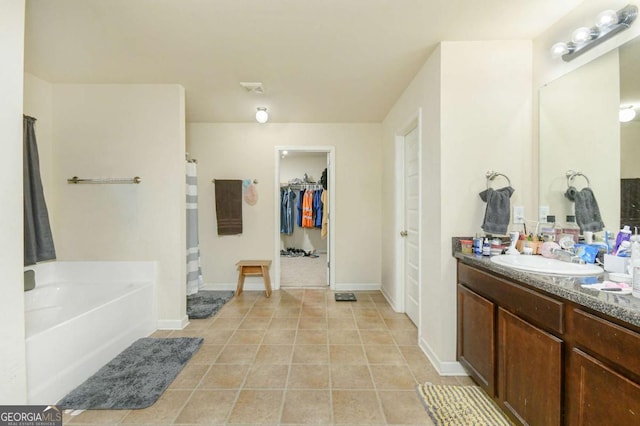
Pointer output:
x,y
287,202
317,209
194,270
307,209
38,240
300,202
325,214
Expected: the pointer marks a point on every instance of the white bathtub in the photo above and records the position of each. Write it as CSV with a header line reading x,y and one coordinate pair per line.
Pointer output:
x,y
79,317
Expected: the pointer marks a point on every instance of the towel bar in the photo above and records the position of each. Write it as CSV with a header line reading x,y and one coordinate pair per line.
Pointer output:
x,y
572,174
77,180
492,175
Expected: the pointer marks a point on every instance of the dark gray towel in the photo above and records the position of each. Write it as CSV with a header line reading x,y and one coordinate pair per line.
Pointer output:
x,y
229,206
498,211
587,210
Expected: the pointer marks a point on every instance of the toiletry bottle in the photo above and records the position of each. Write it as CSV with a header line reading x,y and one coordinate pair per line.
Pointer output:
x,y
635,265
486,248
572,228
550,230
623,235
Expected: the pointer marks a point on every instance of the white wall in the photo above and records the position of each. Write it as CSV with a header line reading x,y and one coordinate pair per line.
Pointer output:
x,y
38,103
122,131
630,149
13,385
247,151
295,166
475,101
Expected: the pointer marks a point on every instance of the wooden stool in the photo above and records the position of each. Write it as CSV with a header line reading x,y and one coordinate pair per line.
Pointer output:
x,y
254,267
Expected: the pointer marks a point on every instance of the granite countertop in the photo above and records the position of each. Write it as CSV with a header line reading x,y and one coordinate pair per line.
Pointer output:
x,y
623,307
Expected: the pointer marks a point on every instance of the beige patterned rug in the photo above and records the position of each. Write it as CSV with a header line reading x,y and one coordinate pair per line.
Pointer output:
x,y
449,405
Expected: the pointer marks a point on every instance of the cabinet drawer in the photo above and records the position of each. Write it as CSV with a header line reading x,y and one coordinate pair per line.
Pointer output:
x,y
611,341
541,310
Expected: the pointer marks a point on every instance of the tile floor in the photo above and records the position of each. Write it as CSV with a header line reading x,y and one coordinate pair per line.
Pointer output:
x,y
295,358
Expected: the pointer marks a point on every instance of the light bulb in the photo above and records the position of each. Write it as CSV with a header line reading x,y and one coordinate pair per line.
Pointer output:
x,y
607,18
559,49
627,114
261,115
581,35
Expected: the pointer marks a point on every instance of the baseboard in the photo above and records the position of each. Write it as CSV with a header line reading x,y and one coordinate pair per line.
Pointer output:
x,y
444,368
357,286
173,324
389,299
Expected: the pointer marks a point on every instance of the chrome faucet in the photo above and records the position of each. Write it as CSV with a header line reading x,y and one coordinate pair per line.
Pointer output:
x,y
566,256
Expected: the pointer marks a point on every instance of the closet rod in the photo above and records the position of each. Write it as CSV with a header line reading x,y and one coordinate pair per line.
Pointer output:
x,y
255,181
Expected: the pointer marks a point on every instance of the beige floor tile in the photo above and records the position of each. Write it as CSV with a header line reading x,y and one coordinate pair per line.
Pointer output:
x,y
254,324
237,354
318,311
344,337
99,417
344,376
308,376
339,311
307,407
164,411
267,377
225,323
383,354
347,354
363,304
161,333
356,407
257,407
261,312
376,337
216,336
275,336
342,323
207,354
274,354
413,353
246,337
370,323
310,354
224,376
405,337
465,381
287,312
190,376
312,323
199,324
311,337
207,407
232,311
392,377
366,312
404,408
284,323
399,323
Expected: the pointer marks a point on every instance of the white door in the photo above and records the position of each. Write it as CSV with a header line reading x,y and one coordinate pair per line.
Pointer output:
x,y
411,226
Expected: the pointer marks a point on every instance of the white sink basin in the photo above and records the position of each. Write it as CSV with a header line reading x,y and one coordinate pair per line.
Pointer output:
x,y
544,265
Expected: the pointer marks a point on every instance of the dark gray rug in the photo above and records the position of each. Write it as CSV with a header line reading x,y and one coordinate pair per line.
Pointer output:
x,y
136,377
205,303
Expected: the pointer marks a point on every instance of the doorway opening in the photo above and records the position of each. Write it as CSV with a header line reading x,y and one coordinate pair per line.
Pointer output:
x,y
304,217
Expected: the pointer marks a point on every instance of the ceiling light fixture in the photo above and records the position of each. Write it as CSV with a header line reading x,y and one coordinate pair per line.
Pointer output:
x,y
262,116
627,114
253,87
608,24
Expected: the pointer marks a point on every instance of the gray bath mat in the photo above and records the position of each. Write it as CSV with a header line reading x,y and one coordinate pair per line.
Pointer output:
x,y
205,303
136,377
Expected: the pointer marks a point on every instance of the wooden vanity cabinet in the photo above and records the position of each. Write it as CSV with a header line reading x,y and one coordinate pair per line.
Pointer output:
x,y
543,359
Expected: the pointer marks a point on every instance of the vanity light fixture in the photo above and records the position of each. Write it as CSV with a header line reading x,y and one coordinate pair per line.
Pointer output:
x,y
608,24
627,114
262,116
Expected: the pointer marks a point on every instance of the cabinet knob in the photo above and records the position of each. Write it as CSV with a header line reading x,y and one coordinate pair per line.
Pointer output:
x,y
403,233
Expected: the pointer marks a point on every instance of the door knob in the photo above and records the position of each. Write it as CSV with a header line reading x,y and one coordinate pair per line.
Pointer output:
x,y
403,233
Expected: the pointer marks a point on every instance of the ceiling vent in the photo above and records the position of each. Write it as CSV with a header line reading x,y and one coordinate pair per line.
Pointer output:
x,y
253,87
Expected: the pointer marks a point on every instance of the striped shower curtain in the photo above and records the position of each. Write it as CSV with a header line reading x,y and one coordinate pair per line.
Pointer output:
x,y
194,272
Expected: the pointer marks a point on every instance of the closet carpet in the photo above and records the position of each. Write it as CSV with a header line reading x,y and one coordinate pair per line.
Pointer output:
x,y
303,271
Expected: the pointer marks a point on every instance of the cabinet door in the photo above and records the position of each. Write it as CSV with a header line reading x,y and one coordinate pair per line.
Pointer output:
x,y
598,395
476,341
529,372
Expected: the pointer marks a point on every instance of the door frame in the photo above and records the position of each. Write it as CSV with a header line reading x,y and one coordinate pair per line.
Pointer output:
x,y
413,122
330,150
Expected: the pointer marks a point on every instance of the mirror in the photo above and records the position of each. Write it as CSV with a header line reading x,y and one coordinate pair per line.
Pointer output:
x,y
580,131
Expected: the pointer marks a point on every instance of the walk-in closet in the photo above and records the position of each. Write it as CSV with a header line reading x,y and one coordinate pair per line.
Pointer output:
x,y
303,219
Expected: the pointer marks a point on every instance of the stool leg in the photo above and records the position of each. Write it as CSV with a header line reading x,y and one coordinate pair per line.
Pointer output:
x,y
240,281
267,280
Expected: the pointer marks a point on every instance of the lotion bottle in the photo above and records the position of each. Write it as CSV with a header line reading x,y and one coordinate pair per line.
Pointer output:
x,y
635,266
